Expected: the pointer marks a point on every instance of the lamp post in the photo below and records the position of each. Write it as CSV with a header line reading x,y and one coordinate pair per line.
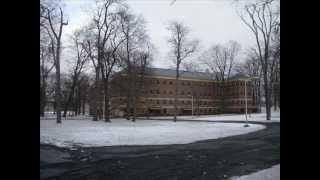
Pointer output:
x,y
245,96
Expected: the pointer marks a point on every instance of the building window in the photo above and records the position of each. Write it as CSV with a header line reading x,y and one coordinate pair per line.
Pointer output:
x,y
170,82
158,82
182,92
157,101
164,101
164,92
158,92
164,82
170,92
188,83
170,101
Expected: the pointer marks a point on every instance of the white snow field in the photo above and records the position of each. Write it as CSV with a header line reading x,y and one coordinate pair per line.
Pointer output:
x,y
123,132
272,173
255,117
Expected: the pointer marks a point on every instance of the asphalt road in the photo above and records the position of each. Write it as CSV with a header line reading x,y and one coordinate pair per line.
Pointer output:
x,y
203,160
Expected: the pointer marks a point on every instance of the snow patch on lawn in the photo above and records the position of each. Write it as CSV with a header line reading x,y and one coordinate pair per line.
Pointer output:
x,y
272,173
123,132
255,117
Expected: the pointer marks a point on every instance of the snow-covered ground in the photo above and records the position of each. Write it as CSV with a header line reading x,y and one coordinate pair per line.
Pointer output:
x,y
272,173
260,117
123,132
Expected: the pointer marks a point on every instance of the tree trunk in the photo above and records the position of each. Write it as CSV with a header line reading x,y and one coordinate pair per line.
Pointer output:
x,y
259,96
71,94
134,97
58,87
95,97
78,101
129,93
222,98
128,105
43,98
134,114
274,98
267,95
84,105
176,95
100,103
106,100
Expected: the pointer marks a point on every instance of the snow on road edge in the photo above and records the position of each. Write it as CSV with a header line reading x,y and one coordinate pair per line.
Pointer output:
x,y
272,173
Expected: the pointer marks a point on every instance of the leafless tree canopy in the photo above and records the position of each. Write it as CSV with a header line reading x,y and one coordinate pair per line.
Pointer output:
x,y
114,40
77,68
220,59
181,48
135,55
51,22
262,18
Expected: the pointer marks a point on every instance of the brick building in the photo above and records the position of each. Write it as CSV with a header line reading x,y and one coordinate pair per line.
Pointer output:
x,y
195,88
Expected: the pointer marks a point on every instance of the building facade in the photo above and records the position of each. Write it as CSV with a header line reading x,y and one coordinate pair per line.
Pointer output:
x,y
197,93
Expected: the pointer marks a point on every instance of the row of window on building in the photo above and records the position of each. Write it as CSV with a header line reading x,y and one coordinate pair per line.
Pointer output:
x,y
189,102
181,93
239,102
181,102
183,83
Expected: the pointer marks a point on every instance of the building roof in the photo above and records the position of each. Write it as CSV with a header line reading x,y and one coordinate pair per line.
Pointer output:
x,y
188,74
239,76
183,74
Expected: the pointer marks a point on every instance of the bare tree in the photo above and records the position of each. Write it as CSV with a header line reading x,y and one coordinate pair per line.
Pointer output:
x,y
98,45
84,84
81,93
181,48
46,66
220,60
262,20
275,67
95,88
110,60
251,67
133,30
53,23
77,68
141,60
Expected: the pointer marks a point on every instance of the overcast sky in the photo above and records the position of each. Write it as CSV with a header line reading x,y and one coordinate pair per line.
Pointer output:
x,y
210,21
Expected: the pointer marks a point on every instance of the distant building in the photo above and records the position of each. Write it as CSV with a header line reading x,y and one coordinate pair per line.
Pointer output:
x,y
159,88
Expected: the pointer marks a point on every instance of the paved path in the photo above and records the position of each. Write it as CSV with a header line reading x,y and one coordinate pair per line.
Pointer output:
x,y
204,160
